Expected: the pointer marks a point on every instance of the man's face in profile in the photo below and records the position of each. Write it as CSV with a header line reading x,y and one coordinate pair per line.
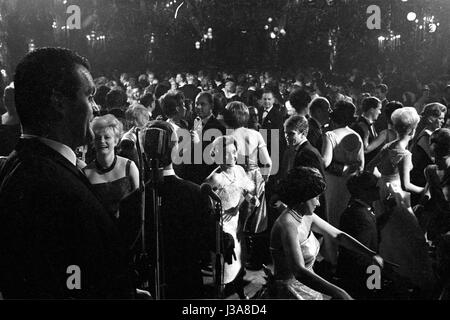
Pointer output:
x,y
79,111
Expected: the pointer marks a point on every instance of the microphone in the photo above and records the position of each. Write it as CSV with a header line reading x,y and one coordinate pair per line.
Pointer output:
x,y
206,189
155,142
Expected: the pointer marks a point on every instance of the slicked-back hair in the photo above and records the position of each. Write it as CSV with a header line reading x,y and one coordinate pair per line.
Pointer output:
x,y
370,103
170,101
299,99
38,76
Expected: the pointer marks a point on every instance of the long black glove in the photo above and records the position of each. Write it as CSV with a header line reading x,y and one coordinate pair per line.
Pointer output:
x,y
228,248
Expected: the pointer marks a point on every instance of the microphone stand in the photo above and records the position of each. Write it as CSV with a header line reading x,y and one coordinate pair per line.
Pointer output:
x,y
159,276
143,262
218,265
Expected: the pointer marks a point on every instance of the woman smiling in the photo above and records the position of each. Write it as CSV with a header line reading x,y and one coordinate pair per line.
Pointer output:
x,y
112,176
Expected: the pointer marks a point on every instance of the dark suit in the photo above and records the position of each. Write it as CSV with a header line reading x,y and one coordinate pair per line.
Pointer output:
x,y
186,230
200,172
307,156
51,219
250,98
359,222
315,134
273,121
367,134
382,122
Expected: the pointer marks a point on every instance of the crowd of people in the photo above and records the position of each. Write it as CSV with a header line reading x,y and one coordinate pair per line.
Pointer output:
x,y
320,177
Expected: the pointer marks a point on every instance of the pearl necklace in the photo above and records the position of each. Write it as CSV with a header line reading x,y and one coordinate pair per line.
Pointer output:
x,y
297,216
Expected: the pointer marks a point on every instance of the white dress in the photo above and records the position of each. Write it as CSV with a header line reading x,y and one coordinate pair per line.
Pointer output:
x,y
230,189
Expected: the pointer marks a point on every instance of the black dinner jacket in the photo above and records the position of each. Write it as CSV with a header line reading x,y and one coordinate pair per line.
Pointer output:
x,y
315,135
50,219
197,173
186,231
309,156
274,120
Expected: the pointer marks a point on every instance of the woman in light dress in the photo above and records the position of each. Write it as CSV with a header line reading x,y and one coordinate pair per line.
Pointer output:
x,y
401,239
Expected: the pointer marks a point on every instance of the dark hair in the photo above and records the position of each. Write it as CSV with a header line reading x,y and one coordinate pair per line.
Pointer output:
x,y
116,98
38,76
143,81
100,95
160,90
147,99
298,123
433,110
301,185
361,182
299,99
220,101
237,115
370,103
389,109
319,103
170,101
343,113
209,97
268,90
441,138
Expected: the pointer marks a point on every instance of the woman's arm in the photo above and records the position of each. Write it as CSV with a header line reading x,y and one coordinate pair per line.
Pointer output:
x,y
406,165
377,142
341,238
134,174
296,263
327,151
361,158
264,158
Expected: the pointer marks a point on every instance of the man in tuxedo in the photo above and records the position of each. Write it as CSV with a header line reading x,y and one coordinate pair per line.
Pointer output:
x,y
186,227
206,129
359,221
365,124
299,100
300,152
250,96
320,116
381,92
189,90
56,239
272,123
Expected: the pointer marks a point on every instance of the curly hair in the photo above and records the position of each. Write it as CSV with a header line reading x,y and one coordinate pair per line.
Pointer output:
x,y
108,121
301,185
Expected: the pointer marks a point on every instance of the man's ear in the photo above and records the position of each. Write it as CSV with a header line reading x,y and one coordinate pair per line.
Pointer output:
x,y
57,106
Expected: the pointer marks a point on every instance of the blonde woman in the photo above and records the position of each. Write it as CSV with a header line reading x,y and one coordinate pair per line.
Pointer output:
x,y
112,176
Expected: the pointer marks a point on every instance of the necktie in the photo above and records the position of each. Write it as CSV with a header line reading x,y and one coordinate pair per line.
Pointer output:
x,y
264,115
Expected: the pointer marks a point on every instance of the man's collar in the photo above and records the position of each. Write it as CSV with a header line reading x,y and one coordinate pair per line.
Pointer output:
x,y
268,110
315,121
168,172
59,147
302,143
364,204
367,120
205,120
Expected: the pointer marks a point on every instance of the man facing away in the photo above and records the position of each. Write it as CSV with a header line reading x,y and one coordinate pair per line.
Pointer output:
x,y
56,240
